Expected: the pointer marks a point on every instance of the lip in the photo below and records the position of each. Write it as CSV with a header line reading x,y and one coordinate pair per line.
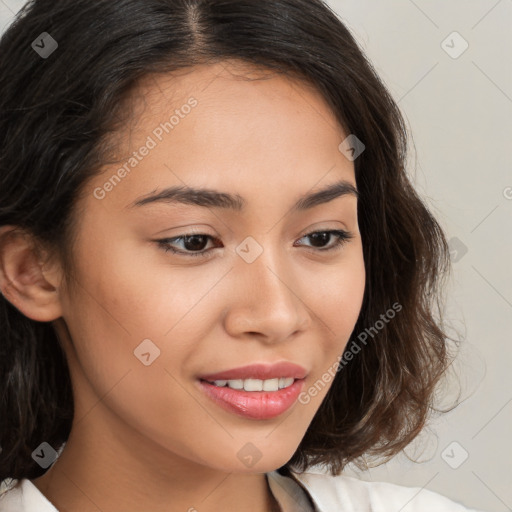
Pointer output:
x,y
259,371
255,405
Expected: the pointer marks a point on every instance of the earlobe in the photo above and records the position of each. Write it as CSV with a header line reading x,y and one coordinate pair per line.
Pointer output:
x,y
23,281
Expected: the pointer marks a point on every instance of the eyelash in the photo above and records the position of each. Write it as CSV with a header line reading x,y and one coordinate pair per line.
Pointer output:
x,y
343,238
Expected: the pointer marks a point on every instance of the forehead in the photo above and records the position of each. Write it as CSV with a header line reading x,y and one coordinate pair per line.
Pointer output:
x,y
234,91
248,129
240,80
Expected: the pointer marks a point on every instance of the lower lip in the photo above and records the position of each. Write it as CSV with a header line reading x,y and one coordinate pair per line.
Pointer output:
x,y
256,405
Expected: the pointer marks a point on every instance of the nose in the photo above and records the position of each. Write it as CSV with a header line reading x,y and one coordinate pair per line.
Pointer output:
x,y
267,301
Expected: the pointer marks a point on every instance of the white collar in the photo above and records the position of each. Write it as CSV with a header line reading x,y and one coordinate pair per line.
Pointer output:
x,y
291,493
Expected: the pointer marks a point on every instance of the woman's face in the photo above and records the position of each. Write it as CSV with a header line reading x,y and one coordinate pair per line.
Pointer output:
x,y
146,324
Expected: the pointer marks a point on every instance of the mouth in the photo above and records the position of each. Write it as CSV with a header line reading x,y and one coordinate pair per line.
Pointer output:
x,y
256,391
258,404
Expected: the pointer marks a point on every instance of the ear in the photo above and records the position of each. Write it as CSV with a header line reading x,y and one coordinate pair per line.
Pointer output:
x,y
24,280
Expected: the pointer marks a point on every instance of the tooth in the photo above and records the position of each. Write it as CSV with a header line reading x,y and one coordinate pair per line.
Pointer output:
x,y
236,384
288,381
271,385
253,385
256,384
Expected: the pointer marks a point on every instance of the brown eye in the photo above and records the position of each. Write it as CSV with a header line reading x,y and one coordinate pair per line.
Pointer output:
x,y
320,238
193,244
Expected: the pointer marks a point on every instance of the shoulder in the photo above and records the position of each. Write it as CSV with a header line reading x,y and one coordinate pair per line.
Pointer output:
x,y
10,495
23,496
351,495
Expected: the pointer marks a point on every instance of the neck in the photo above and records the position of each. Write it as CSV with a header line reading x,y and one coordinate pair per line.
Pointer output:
x,y
99,471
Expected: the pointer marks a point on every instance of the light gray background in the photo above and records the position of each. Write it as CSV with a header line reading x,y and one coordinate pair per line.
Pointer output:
x,y
459,111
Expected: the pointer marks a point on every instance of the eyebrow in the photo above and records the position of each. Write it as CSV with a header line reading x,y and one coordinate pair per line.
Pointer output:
x,y
210,198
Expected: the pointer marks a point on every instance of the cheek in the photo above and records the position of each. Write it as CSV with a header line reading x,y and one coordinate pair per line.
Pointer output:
x,y
125,296
128,288
335,303
335,296
116,307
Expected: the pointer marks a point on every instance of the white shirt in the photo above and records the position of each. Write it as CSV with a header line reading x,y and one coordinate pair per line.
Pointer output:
x,y
310,492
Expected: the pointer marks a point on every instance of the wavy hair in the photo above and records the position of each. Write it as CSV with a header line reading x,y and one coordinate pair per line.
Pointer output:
x,y
58,120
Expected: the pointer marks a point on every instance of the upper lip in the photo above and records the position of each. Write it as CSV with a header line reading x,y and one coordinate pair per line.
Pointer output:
x,y
259,371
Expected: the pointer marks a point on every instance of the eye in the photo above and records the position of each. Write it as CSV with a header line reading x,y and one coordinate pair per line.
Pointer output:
x,y
195,242
318,237
192,242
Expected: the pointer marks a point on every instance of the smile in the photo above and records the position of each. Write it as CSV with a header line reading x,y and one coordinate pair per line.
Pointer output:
x,y
256,404
255,384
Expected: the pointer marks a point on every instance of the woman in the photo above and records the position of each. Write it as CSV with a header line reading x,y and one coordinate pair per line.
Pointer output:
x,y
142,370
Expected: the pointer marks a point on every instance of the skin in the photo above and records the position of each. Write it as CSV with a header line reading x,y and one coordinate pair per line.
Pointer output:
x,y
146,437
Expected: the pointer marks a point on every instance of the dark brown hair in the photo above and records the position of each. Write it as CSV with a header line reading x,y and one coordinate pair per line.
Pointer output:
x,y
57,116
